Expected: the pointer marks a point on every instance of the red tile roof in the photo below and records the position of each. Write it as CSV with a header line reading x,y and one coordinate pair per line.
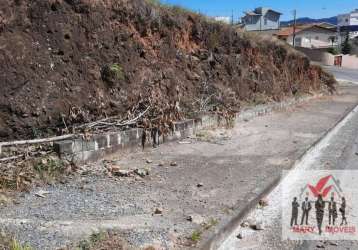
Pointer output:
x,y
287,31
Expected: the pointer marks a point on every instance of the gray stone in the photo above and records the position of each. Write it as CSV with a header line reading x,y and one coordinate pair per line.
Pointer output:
x,y
196,218
259,226
122,173
142,172
245,224
158,211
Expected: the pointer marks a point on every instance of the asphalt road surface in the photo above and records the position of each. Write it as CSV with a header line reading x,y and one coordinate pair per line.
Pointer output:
x,y
344,74
338,151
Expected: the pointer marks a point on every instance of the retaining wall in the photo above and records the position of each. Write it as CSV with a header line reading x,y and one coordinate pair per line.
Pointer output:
x,y
322,56
83,150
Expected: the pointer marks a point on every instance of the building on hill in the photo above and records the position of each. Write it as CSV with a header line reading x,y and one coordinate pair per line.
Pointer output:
x,y
348,19
224,19
349,22
310,36
261,19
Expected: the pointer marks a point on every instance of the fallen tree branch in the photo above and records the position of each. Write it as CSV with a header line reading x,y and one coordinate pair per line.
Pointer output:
x,y
36,141
11,158
101,122
134,120
92,124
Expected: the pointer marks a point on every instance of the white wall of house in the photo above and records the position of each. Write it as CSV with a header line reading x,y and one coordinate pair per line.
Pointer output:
x,y
348,19
312,38
224,19
264,19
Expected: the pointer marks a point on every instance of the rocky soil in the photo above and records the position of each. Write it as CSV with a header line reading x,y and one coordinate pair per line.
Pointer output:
x,y
66,62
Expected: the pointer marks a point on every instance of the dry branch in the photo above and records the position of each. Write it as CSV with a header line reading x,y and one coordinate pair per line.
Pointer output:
x,y
36,141
11,158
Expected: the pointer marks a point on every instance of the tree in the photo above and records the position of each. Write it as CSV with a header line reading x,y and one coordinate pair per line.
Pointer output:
x,y
332,39
346,47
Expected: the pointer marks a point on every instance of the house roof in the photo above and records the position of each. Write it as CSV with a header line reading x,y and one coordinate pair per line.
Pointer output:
x,y
288,31
261,11
326,25
251,13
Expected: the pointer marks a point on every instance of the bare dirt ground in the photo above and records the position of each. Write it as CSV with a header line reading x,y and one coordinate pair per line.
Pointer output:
x,y
208,178
66,62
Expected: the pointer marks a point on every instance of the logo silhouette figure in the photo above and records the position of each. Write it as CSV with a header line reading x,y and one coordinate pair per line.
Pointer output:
x,y
342,209
332,211
294,214
306,207
319,205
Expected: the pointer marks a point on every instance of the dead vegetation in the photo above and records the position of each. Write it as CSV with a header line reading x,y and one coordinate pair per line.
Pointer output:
x,y
79,62
102,241
24,172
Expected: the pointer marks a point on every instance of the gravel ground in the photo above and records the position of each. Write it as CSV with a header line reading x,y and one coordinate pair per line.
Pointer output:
x,y
230,166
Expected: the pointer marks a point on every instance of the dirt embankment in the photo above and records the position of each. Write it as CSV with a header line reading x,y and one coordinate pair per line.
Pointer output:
x,y
72,61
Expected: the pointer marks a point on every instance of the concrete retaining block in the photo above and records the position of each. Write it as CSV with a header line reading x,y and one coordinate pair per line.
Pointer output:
x,y
92,149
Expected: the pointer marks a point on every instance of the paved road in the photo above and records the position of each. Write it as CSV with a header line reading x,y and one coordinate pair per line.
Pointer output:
x,y
345,74
338,152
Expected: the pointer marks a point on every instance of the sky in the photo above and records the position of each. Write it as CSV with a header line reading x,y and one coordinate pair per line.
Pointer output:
x,y
305,8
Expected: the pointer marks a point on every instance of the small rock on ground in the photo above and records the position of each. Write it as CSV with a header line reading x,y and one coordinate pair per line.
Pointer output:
x,y
258,226
196,218
158,211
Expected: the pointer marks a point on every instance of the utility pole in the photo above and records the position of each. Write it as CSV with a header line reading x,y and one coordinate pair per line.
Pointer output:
x,y
232,17
294,27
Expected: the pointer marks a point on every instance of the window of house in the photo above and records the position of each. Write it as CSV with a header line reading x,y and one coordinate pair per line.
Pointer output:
x,y
265,21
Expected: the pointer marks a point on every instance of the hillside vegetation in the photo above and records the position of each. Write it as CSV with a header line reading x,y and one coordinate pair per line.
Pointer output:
x,y
66,62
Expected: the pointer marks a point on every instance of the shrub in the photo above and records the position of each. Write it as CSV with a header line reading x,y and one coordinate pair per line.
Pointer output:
x,y
333,51
112,73
195,236
15,245
49,168
346,47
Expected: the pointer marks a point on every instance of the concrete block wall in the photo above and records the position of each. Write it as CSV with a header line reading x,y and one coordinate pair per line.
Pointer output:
x,y
82,150
87,150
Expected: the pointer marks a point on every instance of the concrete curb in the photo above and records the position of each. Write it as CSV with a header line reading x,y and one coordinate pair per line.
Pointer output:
x,y
346,81
81,151
219,237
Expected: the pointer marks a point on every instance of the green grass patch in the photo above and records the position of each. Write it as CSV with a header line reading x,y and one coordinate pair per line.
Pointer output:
x,y
10,243
196,236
